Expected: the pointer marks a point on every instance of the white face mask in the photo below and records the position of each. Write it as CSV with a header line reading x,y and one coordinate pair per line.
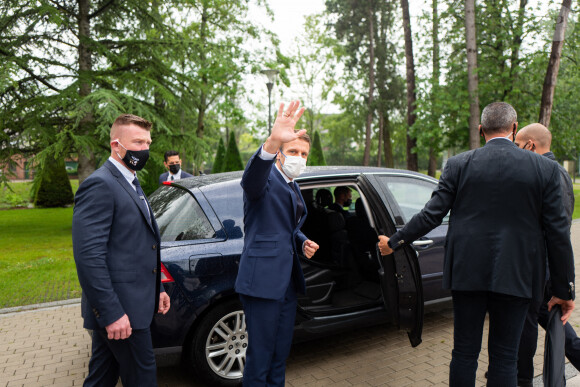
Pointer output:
x,y
293,166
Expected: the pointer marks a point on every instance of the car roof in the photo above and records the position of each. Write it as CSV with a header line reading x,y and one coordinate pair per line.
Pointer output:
x,y
339,170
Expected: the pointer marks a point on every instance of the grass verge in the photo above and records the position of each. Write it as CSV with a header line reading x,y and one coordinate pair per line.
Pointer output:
x,y
37,262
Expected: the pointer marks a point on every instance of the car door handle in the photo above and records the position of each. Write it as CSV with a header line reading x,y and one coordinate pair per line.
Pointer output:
x,y
423,242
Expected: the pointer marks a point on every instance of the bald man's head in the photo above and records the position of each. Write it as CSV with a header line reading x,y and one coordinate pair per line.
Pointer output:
x,y
534,137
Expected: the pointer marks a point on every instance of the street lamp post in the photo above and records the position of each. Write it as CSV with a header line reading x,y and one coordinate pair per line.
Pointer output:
x,y
270,79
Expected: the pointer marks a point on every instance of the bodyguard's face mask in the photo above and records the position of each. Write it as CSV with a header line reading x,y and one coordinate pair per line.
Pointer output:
x,y
174,168
293,166
134,160
348,202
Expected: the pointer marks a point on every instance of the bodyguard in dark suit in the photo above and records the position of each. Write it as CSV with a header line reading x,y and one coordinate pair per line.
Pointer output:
x,y
116,251
506,210
173,164
270,275
538,139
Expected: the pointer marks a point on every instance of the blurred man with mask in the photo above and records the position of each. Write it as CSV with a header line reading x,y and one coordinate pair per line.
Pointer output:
x,y
538,139
270,275
116,251
173,164
342,198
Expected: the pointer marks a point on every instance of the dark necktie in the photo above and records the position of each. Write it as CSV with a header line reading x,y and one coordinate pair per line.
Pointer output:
x,y
299,205
141,195
171,177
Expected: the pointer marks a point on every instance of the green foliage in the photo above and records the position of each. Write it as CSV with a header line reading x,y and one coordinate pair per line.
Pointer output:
x,y
54,189
179,64
36,272
233,161
220,158
316,156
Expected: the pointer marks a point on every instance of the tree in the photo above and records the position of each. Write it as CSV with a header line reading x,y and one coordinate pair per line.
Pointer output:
x,y
435,146
172,63
314,64
316,156
220,158
412,164
233,161
554,64
390,86
354,28
472,80
53,189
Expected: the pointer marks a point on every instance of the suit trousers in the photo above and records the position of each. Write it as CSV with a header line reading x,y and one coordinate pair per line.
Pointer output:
x,y
270,325
538,314
132,359
506,320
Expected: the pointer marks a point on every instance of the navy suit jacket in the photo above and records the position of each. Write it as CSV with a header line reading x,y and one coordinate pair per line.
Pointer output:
x,y
163,177
506,212
272,238
116,251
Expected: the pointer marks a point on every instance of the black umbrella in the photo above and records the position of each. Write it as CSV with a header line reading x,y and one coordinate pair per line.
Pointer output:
x,y
554,355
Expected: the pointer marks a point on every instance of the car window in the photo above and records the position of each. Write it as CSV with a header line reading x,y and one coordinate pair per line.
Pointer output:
x,y
410,194
179,216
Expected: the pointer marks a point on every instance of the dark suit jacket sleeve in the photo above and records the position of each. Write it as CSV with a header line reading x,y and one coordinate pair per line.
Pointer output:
x,y
300,239
163,177
255,177
567,193
434,211
92,219
557,234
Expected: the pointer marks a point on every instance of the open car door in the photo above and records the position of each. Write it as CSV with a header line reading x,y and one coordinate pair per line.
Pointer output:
x,y
399,272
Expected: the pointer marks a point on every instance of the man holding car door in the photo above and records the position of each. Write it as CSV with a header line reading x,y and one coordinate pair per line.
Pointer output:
x,y
506,211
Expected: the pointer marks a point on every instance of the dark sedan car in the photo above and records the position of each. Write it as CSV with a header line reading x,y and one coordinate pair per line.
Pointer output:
x,y
348,283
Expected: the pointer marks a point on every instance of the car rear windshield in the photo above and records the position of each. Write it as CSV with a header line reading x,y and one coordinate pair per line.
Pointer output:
x,y
179,216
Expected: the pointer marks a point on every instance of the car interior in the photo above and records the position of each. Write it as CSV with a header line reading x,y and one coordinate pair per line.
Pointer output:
x,y
343,274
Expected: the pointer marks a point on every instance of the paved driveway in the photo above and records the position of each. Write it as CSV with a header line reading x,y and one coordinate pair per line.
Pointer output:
x,y
48,347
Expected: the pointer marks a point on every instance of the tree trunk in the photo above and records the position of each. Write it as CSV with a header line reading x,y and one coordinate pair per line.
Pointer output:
x,y
387,146
367,152
554,64
381,126
412,163
516,44
87,162
432,167
472,79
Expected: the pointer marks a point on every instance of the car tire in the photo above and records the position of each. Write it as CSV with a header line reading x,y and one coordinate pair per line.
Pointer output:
x,y
218,347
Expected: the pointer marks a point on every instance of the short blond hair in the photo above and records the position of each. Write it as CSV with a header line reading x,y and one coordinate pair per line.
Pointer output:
x,y
127,119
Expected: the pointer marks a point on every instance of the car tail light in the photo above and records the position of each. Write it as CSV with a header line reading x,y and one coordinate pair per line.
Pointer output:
x,y
166,183
165,276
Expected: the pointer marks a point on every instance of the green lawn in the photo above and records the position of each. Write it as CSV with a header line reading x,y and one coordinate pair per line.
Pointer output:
x,y
576,213
36,264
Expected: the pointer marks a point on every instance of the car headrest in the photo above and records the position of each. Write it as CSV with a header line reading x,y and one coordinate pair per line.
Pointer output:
x,y
359,209
323,197
335,221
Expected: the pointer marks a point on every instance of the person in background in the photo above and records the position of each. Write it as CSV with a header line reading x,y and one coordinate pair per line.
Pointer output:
x,y
116,251
342,198
506,211
270,275
173,164
538,139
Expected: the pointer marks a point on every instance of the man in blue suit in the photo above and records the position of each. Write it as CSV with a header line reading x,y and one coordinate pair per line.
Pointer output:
x,y
270,275
116,251
173,164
